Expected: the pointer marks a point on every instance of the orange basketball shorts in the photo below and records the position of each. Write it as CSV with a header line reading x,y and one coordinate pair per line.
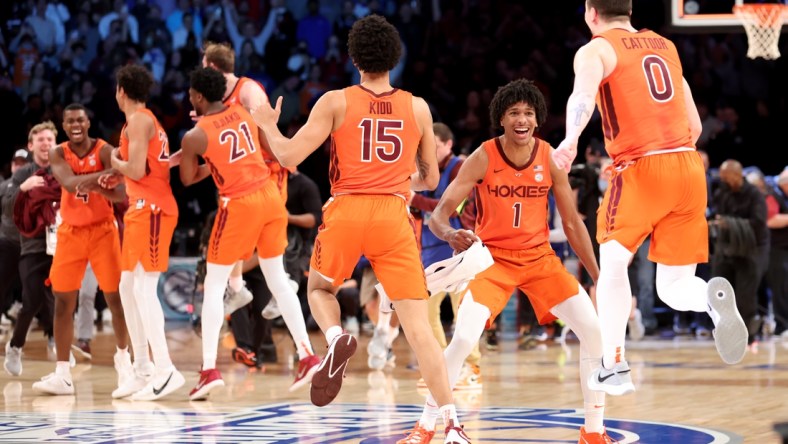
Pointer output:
x,y
98,243
146,238
661,194
258,219
381,228
536,271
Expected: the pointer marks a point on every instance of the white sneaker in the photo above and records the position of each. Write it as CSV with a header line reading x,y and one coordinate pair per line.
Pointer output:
x,y
378,350
351,326
233,300
141,375
13,360
271,310
455,435
730,333
162,384
636,328
615,382
123,367
54,384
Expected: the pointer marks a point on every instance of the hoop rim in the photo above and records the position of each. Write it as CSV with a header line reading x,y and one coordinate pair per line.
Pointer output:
x,y
762,14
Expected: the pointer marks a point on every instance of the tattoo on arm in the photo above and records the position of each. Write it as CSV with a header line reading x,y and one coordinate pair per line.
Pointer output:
x,y
579,111
423,167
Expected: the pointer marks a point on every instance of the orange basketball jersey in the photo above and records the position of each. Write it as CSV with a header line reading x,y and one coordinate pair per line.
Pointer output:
x,y
234,98
80,209
374,151
642,100
233,152
154,187
511,202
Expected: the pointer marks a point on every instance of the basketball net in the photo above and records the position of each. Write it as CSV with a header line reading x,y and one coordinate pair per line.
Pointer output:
x,y
763,23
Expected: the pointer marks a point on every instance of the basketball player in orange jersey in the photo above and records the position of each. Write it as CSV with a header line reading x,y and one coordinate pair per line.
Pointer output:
x,y
251,212
250,95
658,185
512,175
378,135
88,233
143,161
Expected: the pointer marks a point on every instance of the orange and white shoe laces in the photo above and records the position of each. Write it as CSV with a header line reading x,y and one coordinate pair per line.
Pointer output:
x,y
419,435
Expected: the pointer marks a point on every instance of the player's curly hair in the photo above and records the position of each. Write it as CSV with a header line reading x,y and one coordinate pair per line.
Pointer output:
x,y
208,82
136,81
374,44
514,92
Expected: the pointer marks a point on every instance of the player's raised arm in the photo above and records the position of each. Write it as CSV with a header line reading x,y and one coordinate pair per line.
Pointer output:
x,y
589,72
291,152
471,172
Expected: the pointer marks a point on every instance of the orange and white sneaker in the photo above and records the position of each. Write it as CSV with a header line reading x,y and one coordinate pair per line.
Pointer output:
x,y
470,378
595,438
419,435
306,369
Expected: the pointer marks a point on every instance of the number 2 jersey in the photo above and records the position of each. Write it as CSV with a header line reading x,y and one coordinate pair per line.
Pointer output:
x,y
642,100
154,187
374,150
511,202
82,209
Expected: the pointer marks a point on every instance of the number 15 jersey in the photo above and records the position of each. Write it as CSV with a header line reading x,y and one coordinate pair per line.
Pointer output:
x,y
374,150
642,100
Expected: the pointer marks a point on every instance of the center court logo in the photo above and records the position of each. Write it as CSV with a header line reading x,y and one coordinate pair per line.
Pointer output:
x,y
336,424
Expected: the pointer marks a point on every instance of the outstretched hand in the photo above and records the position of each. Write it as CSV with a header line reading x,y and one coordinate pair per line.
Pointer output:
x,y
565,154
264,114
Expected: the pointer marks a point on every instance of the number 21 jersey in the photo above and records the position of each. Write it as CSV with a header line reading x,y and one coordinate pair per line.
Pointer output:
x,y
374,150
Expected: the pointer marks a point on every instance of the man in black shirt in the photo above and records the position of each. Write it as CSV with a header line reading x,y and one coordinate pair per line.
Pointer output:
x,y
9,234
742,239
778,256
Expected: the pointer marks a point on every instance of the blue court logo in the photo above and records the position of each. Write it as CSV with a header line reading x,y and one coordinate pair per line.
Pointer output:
x,y
303,423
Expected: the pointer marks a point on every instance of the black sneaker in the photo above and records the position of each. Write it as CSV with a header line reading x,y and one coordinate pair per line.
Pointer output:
x,y
492,339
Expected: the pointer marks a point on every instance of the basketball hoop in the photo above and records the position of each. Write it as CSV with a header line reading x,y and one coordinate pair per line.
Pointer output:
x,y
763,23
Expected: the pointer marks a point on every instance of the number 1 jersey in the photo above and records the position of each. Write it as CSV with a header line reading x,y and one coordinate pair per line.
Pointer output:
x,y
642,100
374,151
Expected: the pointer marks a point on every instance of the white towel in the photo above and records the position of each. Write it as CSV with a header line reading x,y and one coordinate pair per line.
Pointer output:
x,y
449,275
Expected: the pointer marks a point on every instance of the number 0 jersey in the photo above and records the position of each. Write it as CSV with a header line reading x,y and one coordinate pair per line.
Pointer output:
x,y
511,202
642,100
154,187
233,152
81,209
374,151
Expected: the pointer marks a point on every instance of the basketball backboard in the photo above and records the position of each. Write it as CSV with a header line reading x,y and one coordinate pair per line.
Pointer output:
x,y
701,14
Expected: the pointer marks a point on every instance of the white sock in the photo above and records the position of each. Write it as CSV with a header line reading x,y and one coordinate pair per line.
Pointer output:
x,y
332,333
393,332
471,319
236,283
593,402
213,311
678,287
449,413
152,316
613,300
128,298
287,300
63,368
429,416
384,321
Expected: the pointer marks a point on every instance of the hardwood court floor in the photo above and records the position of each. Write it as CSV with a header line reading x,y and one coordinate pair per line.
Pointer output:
x,y
684,395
